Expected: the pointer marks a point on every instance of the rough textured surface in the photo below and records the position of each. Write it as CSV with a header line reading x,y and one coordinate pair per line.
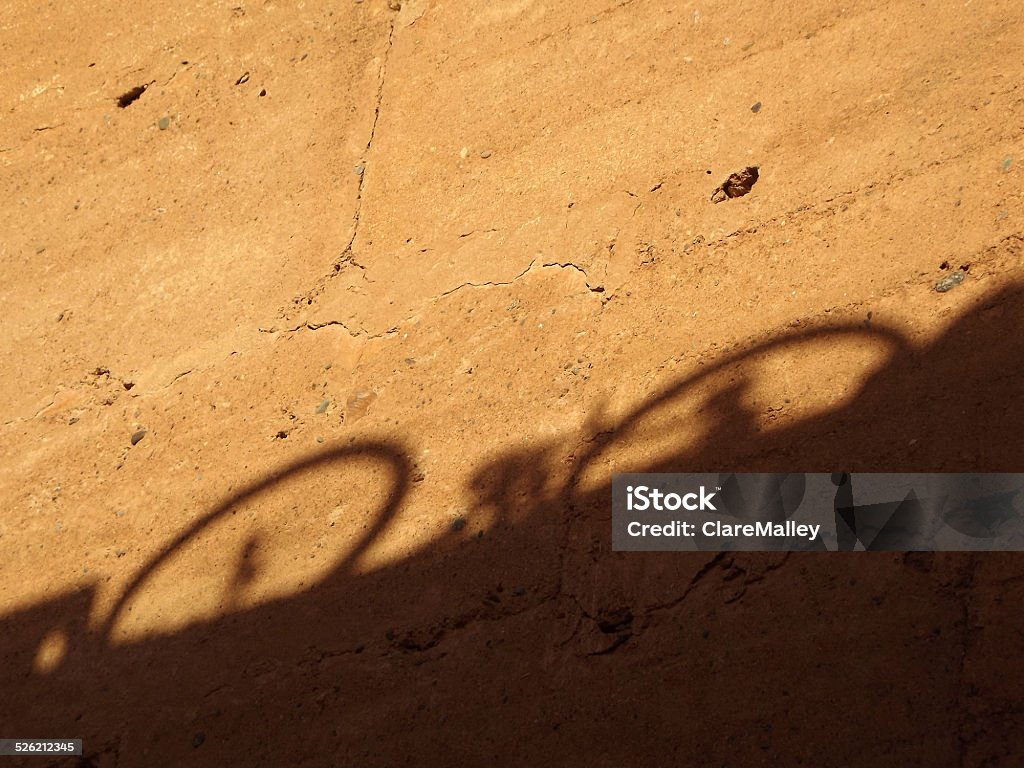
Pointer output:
x,y
318,356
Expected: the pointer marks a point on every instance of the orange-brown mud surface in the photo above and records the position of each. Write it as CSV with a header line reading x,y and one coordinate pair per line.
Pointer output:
x,y
325,326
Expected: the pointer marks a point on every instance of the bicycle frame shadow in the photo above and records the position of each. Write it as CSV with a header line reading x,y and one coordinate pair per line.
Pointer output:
x,y
543,644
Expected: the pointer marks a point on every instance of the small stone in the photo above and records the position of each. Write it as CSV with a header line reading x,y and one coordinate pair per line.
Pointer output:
x,y
319,439
458,524
1007,163
486,153
360,169
120,513
137,436
756,108
121,552
950,281
323,406
1002,214
394,5
737,185
197,740
165,123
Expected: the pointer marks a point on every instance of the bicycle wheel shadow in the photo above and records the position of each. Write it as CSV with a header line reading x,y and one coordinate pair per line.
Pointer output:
x,y
535,643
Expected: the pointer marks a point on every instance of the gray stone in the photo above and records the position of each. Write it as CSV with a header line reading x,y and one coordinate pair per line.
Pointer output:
x,y
949,282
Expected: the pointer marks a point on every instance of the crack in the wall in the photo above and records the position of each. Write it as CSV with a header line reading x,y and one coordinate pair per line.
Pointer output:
x,y
362,333
699,357
365,334
349,257
317,326
381,77
524,273
348,253
697,578
566,265
489,284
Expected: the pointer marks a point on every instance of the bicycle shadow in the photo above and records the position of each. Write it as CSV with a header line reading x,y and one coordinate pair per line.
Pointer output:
x,y
535,643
